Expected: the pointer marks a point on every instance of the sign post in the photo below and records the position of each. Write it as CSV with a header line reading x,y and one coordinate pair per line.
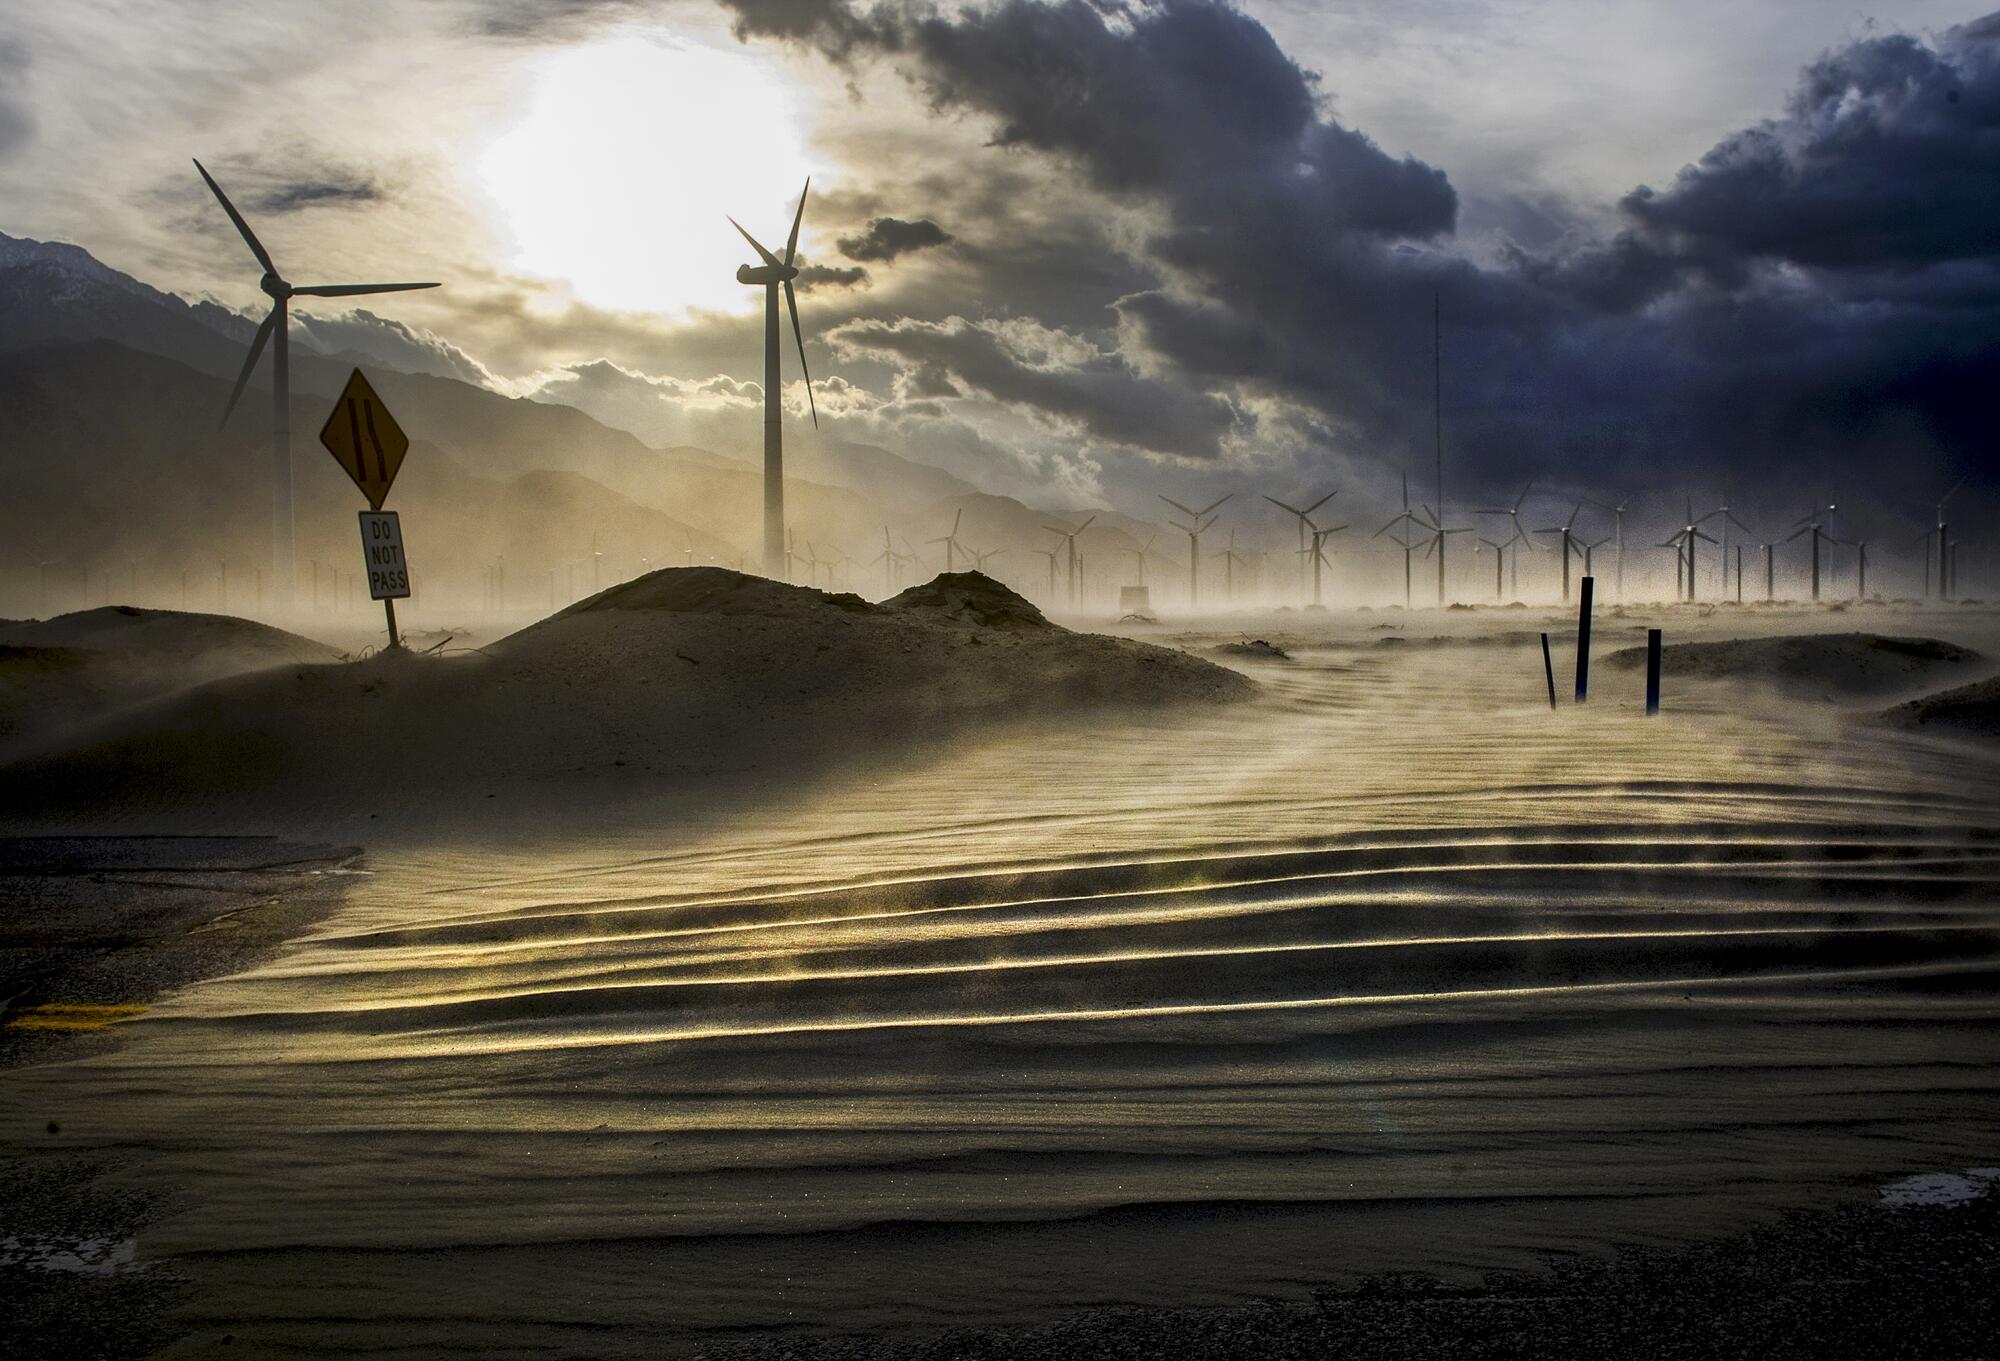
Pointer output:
x,y
366,442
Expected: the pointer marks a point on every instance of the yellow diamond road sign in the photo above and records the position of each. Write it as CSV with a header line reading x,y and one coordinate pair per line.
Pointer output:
x,y
365,440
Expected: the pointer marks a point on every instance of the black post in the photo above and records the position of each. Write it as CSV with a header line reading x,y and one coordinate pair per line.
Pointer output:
x,y
1652,671
1583,640
389,608
1549,670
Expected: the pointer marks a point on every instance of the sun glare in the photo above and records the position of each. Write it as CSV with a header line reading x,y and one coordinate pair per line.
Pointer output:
x,y
626,157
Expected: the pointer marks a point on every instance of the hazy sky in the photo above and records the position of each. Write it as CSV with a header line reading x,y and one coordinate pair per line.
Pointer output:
x,y
1099,247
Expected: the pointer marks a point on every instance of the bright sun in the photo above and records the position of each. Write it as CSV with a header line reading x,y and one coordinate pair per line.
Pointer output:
x,y
627,156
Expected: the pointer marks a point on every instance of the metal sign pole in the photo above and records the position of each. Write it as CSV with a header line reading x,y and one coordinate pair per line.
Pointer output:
x,y
389,608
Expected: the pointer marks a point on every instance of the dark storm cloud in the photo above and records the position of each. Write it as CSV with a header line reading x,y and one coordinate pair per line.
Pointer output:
x,y
1817,294
293,196
17,121
545,20
813,277
1889,155
1055,375
889,237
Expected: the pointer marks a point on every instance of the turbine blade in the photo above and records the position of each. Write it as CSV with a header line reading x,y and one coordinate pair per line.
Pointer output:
x,y
249,362
1293,509
1211,508
1085,525
792,241
768,258
1179,507
792,302
242,227
1322,501
355,290
960,515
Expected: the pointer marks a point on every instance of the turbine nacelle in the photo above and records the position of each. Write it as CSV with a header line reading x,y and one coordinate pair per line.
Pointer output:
x,y
766,275
274,287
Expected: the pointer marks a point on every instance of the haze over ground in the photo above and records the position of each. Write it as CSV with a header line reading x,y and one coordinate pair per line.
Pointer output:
x,y
1020,929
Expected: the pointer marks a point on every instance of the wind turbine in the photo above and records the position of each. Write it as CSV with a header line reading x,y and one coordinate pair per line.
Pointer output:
x,y
278,323
1140,553
772,275
1728,519
1589,552
889,558
950,542
1682,542
1810,523
1069,543
1318,552
1051,554
1434,526
1945,583
1197,525
1230,557
1570,543
1304,521
1499,559
979,558
1617,514
1402,537
1860,547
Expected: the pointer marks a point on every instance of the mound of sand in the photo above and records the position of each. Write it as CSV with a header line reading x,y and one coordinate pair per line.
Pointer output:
x,y
688,673
1253,647
55,673
1968,710
1836,666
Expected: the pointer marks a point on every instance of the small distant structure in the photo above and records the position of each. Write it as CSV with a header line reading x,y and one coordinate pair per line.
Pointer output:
x,y
1068,537
1135,605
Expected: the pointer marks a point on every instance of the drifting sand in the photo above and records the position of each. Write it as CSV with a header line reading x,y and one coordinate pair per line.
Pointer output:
x,y
1969,711
57,672
1842,667
684,672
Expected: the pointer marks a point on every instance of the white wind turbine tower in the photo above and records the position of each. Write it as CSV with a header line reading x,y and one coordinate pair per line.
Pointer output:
x,y
1318,552
772,275
1617,514
278,323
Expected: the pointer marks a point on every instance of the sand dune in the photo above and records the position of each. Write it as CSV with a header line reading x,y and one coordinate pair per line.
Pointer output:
x,y
684,673
61,671
1834,666
1965,711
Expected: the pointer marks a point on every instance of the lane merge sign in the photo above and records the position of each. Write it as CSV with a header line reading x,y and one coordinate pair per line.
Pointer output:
x,y
382,549
365,440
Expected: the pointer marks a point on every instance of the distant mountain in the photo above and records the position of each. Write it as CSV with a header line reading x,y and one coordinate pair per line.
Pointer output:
x,y
110,391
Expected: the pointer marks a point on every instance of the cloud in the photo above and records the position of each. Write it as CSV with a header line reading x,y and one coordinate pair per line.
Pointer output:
x,y
391,342
1063,378
889,237
1888,156
1816,295
17,120
813,277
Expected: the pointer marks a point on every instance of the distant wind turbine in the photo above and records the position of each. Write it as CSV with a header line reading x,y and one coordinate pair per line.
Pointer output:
x,y
1318,552
772,275
1945,583
1197,525
1304,521
950,542
1570,543
1068,537
1436,530
1810,523
1401,524
1682,541
1617,514
277,323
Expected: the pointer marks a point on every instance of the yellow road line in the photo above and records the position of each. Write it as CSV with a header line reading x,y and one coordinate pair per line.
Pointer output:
x,y
72,1016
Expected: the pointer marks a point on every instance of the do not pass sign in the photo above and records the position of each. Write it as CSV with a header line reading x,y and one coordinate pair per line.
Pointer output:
x,y
382,550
